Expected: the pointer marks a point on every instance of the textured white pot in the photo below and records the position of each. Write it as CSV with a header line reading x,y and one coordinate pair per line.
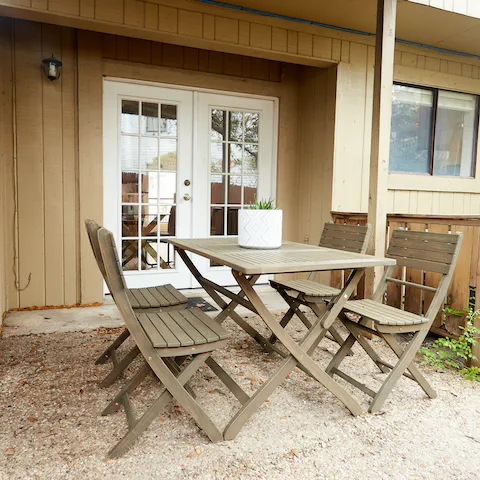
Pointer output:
x,y
260,228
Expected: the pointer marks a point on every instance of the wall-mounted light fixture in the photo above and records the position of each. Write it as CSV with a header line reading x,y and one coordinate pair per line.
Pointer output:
x,y
52,67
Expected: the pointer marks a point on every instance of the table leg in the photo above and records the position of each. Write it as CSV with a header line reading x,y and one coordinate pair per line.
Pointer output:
x,y
300,354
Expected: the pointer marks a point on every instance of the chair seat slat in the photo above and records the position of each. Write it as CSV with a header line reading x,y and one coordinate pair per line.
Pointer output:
x,y
211,324
152,301
161,322
184,339
157,293
179,296
189,330
153,334
208,333
171,299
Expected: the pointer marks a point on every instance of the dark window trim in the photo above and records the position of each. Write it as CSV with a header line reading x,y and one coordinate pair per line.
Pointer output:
x,y
433,132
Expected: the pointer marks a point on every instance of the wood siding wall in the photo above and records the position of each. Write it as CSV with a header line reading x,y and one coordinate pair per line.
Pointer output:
x,y
46,152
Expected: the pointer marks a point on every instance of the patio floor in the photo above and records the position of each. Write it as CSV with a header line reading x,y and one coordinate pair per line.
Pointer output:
x,y
51,427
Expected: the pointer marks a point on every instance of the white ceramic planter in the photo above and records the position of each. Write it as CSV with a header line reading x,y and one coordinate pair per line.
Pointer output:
x,y
260,228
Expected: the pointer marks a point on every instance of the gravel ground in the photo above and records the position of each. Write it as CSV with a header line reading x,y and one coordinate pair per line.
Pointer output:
x,y
51,428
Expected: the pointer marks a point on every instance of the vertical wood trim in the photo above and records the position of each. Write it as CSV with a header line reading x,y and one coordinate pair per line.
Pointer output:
x,y
53,171
380,147
90,156
70,165
28,58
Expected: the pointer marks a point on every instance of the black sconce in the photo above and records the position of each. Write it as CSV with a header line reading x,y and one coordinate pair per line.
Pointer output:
x,y
52,67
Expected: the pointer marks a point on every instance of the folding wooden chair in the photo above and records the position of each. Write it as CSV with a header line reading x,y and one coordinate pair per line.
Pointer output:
x,y
164,298
160,337
353,238
434,252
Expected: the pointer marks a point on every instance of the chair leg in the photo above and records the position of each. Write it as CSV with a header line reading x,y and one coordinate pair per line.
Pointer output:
x,y
414,371
104,357
404,362
176,384
341,354
283,322
120,367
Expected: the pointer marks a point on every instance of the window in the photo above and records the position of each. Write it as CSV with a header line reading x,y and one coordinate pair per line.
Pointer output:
x,y
433,131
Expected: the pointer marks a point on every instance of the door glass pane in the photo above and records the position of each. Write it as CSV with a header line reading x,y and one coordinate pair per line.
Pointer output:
x,y
129,150
149,122
130,254
129,117
169,120
455,134
129,187
219,124
168,154
233,167
410,138
148,154
235,126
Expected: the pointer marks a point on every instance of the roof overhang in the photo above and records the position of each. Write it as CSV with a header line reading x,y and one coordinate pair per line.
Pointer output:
x,y
415,22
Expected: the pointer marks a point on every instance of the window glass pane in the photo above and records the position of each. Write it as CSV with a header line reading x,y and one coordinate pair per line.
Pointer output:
x,y
217,192
149,221
169,120
129,221
234,190
148,252
129,153
235,158
218,125
168,188
454,135
250,159
168,154
167,254
149,123
217,162
251,127
235,126
130,254
149,184
410,139
129,187
167,220
129,118
216,220
232,221
250,185
149,153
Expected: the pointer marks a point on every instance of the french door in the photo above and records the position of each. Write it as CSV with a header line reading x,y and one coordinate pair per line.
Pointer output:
x,y
180,163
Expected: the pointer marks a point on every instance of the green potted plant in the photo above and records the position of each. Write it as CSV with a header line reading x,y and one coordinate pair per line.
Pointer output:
x,y
260,225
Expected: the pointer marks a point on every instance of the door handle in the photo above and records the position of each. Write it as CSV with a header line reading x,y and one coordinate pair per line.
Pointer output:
x,y
187,197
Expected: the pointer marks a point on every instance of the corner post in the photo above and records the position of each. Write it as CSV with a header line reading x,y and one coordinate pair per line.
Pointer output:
x,y
380,146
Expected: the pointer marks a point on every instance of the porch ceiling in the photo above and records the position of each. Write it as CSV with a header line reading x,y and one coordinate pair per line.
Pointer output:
x,y
417,23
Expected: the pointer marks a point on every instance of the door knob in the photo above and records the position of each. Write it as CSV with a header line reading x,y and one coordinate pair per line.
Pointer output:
x,y
187,183
187,197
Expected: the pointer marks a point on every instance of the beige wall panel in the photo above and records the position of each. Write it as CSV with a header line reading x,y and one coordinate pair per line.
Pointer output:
x,y
209,26
243,33
350,124
61,6
87,8
134,13
261,36
279,39
292,41
90,156
167,19
109,10
40,4
52,171
190,23
226,30
151,16
70,181
28,57
322,47
305,44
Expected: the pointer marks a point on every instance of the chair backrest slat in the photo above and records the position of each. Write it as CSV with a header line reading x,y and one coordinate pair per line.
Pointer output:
x,y
352,238
433,252
92,230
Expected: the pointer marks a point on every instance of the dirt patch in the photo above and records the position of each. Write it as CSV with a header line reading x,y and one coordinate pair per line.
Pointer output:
x,y
51,427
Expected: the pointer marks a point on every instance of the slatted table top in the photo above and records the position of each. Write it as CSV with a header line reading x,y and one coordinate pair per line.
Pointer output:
x,y
289,258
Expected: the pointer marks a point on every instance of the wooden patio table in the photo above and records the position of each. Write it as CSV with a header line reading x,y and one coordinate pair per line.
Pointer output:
x,y
247,266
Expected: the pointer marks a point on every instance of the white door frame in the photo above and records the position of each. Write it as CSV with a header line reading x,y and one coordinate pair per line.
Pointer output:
x,y
111,181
